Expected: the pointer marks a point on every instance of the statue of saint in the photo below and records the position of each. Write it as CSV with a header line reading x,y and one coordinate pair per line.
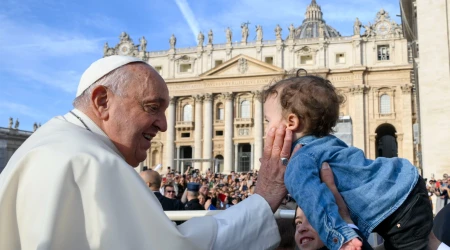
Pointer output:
x,y
229,35
291,31
143,44
259,33
35,127
10,122
172,41
357,27
321,30
16,126
200,38
244,32
278,30
210,37
105,48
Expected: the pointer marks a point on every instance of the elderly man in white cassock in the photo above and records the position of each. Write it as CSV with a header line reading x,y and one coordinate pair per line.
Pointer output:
x,y
72,185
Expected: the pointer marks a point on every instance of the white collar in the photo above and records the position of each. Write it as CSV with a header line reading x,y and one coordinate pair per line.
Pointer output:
x,y
92,127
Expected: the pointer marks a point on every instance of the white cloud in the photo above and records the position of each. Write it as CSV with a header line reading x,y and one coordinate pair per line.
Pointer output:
x,y
189,16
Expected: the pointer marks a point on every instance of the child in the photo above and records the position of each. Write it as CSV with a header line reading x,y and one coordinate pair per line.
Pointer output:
x,y
384,195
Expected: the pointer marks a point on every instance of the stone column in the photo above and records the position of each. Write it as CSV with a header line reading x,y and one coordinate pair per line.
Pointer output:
x,y
236,157
170,139
198,130
208,130
229,120
358,118
407,126
258,130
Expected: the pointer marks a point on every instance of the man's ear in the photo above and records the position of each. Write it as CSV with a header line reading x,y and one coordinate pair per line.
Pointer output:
x,y
100,100
293,123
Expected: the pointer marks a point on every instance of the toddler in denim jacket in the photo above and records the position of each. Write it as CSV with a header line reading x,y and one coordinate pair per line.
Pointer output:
x,y
385,195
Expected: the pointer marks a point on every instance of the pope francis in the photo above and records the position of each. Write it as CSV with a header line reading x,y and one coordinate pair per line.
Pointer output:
x,y
72,185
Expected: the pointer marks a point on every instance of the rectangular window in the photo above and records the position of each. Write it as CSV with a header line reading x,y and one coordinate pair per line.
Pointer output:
x,y
217,63
219,133
185,135
340,58
307,59
158,69
186,67
269,60
383,53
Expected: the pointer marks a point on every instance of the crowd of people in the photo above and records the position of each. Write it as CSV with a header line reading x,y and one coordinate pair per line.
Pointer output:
x,y
439,188
212,191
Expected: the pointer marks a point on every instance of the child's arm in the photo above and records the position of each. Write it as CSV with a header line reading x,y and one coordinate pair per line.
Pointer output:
x,y
317,201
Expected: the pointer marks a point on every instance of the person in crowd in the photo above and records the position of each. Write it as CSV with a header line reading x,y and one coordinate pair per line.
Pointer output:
x,y
153,180
193,197
441,227
169,191
204,190
381,200
81,165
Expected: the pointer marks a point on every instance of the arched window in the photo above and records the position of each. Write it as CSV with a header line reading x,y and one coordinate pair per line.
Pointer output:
x,y
245,109
385,104
187,113
220,114
154,155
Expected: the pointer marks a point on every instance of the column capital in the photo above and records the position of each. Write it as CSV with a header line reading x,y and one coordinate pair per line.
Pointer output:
x,y
208,97
228,95
173,99
199,98
406,89
258,95
359,89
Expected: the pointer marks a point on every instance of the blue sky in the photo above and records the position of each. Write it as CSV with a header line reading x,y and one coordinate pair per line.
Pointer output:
x,y
45,45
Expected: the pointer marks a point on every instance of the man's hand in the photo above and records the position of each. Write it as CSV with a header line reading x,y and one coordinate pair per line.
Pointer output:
x,y
270,184
207,204
327,177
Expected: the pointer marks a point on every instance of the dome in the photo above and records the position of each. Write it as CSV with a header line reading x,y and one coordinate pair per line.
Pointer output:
x,y
311,26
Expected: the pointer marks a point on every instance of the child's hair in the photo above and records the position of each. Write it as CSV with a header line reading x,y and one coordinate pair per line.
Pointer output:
x,y
313,99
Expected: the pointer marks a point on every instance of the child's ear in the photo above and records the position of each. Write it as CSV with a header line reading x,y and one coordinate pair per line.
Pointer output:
x,y
293,123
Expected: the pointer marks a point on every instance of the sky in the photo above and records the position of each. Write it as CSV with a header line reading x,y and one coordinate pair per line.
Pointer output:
x,y
45,45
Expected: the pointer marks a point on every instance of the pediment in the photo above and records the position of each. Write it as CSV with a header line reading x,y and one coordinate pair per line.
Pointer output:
x,y
242,65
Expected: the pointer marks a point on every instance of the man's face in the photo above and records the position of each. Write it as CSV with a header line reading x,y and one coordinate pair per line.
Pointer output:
x,y
135,118
306,237
273,112
169,192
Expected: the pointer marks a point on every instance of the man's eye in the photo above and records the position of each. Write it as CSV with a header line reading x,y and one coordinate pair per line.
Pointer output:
x,y
151,108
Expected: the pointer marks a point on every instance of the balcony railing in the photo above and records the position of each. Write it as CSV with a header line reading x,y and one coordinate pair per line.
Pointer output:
x,y
184,125
247,122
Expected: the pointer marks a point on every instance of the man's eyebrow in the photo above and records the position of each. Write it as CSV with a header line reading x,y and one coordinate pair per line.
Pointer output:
x,y
160,100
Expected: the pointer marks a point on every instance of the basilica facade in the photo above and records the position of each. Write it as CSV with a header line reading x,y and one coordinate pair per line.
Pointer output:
x,y
215,116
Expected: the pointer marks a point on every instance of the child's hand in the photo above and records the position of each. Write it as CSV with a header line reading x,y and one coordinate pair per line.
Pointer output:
x,y
353,244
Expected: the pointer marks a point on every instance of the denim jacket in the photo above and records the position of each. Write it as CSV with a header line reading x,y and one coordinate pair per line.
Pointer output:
x,y
372,189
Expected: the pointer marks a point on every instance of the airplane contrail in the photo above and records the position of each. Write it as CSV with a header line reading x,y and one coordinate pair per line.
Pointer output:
x,y
188,15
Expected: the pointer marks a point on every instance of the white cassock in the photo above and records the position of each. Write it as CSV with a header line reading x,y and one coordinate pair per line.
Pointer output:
x,y
69,188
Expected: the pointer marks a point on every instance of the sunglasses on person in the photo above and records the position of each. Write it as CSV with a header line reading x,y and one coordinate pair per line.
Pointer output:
x,y
170,191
